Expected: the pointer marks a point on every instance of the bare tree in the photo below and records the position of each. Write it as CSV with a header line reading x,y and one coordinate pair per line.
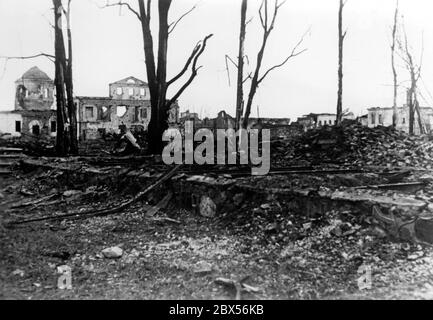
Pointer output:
x,y
240,82
414,70
72,109
67,139
157,68
394,72
66,136
341,37
63,137
268,22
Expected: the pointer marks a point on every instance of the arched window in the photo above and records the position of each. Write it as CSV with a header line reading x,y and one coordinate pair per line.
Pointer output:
x,y
119,91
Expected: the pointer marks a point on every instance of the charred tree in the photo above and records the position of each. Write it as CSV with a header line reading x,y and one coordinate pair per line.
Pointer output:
x,y
63,136
341,37
240,81
67,135
394,71
414,70
157,69
72,109
268,23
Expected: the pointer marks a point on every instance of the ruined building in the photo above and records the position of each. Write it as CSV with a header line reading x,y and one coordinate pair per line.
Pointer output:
x,y
34,114
383,117
317,120
127,106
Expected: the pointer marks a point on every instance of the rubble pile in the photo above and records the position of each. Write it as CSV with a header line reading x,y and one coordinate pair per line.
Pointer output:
x,y
355,145
31,147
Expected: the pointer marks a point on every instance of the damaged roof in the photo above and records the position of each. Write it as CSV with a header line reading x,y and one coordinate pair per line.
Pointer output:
x,y
35,74
131,81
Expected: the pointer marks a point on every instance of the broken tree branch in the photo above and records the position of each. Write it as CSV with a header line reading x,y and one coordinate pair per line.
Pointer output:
x,y
227,58
194,70
105,212
173,25
120,4
187,64
293,54
49,56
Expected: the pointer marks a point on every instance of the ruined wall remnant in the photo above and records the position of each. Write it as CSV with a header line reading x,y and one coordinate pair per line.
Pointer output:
x,y
383,117
99,116
128,106
130,88
34,91
34,114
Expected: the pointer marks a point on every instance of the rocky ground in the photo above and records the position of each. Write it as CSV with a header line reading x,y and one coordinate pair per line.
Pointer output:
x,y
354,145
262,251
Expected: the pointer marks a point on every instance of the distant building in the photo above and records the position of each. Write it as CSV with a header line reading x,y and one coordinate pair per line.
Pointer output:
x,y
268,122
383,117
187,115
317,120
128,106
306,122
34,112
222,121
363,120
226,121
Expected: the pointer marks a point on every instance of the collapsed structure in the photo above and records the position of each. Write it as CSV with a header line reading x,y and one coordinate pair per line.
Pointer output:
x,y
225,121
383,117
127,106
34,115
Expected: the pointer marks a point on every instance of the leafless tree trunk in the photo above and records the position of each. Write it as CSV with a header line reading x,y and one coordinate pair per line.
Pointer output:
x,y
394,72
412,104
63,137
341,37
268,24
72,110
157,70
418,112
67,137
415,73
240,82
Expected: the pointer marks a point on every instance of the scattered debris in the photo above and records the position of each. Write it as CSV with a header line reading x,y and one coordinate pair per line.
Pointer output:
x,y
112,253
203,268
238,286
18,272
343,230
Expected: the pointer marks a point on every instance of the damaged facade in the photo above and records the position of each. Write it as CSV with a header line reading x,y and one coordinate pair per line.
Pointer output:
x,y
34,114
317,120
128,106
383,117
223,120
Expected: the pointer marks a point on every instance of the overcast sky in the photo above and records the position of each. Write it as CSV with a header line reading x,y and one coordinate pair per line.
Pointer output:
x,y
108,47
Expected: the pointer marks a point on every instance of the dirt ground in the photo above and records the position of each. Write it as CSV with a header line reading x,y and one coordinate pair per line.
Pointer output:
x,y
280,255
